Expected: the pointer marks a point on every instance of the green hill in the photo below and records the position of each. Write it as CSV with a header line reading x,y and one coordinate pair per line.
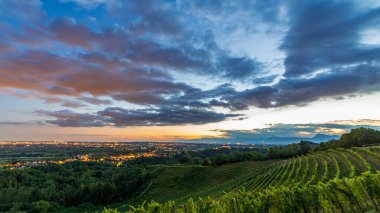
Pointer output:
x,y
356,194
180,183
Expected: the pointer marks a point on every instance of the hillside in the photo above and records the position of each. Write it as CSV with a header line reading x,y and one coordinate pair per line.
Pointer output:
x,y
289,140
356,194
179,183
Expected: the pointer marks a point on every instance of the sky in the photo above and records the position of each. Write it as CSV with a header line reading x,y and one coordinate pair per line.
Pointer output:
x,y
176,70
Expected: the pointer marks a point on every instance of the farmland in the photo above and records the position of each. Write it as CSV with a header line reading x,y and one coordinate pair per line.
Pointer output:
x,y
338,180
183,182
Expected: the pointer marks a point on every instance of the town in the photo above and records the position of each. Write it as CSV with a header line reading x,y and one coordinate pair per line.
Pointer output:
x,y
23,154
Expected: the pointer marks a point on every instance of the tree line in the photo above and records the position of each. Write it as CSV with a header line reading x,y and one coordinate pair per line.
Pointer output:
x,y
355,138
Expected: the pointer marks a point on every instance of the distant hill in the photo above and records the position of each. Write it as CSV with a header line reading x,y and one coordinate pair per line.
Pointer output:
x,y
322,137
287,140
270,140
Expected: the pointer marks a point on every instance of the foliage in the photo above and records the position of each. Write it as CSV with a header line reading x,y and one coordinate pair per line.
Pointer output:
x,y
357,137
291,150
207,162
42,188
237,157
210,153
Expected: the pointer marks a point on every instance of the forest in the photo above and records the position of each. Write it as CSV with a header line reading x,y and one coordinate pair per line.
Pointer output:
x,y
56,187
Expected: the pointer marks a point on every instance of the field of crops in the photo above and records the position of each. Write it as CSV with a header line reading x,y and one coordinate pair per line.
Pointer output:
x,y
183,182
355,194
180,181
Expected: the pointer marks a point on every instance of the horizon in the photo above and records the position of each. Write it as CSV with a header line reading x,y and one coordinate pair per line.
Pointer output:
x,y
284,140
194,71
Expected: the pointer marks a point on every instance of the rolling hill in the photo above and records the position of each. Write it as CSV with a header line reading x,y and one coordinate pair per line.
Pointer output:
x,y
181,183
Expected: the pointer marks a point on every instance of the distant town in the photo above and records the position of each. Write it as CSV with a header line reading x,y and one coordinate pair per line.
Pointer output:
x,y
23,154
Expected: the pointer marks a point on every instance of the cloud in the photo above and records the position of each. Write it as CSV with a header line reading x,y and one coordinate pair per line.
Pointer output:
x,y
88,4
119,117
73,104
292,133
13,123
67,30
181,56
240,68
326,34
162,117
30,11
158,17
324,56
55,75
67,118
234,15
113,62
354,80
95,101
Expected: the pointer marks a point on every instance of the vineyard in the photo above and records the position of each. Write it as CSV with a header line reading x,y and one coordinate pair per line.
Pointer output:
x,y
182,183
357,194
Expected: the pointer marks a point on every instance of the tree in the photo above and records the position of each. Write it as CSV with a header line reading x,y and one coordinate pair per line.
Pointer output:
x,y
305,147
184,159
196,161
40,206
357,137
207,162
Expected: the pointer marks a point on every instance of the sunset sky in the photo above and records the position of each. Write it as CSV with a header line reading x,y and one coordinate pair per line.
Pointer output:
x,y
110,70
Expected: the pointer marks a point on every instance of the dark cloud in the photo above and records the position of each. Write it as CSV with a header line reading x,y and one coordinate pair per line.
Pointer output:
x,y
14,123
309,129
56,75
120,65
67,118
120,117
67,30
326,34
161,117
259,97
95,101
240,68
28,12
118,62
194,52
324,57
292,133
73,104
355,80
157,16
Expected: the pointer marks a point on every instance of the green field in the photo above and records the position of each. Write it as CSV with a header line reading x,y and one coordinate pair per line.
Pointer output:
x,y
356,194
179,183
